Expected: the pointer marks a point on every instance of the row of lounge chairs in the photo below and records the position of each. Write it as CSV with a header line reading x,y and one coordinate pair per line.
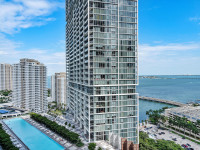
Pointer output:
x,y
14,140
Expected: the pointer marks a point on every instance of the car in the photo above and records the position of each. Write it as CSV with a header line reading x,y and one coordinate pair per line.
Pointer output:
x,y
190,148
184,146
188,144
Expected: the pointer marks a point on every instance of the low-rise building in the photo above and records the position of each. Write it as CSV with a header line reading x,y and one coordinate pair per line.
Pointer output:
x,y
190,112
185,120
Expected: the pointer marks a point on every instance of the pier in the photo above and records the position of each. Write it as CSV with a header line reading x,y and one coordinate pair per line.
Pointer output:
x,y
170,102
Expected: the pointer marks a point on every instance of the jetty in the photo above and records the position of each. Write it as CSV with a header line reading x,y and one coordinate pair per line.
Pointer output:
x,y
170,102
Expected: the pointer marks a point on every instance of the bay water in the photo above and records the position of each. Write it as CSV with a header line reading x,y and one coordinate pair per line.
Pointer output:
x,y
184,89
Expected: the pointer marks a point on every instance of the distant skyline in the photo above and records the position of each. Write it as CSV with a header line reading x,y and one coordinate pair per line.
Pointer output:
x,y
169,34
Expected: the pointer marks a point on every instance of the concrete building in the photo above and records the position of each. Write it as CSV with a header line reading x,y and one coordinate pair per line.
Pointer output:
x,y
58,89
5,77
102,67
190,112
30,85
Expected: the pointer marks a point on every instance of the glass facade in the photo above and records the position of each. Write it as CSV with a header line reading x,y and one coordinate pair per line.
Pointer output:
x,y
102,67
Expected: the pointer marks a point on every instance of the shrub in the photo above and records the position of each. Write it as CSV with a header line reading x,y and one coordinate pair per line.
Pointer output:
x,y
65,123
73,126
99,148
92,146
69,125
5,141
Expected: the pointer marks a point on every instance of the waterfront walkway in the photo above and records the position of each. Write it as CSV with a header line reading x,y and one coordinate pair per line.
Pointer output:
x,y
162,101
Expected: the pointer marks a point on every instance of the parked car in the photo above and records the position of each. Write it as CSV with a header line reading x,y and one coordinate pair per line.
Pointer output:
x,y
190,148
174,139
188,144
185,146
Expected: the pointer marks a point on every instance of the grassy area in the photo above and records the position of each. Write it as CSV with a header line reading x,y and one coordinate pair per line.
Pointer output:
x,y
57,112
186,137
147,143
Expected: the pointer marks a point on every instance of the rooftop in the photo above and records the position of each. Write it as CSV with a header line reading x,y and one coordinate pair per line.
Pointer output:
x,y
190,112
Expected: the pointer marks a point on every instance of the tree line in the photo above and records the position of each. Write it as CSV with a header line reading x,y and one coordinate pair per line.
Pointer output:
x,y
155,115
185,124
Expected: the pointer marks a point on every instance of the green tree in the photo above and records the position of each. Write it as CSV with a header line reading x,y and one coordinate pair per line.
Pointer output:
x,y
92,146
145,143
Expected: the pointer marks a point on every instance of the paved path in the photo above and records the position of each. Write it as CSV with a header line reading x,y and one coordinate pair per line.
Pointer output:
x,y
170,102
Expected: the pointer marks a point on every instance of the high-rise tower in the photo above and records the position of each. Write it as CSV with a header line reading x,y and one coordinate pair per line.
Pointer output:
x,y
30,85
58,89
102,67
5,77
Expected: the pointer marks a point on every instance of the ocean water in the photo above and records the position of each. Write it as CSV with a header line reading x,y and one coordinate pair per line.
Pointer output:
x,y
182,89
31,136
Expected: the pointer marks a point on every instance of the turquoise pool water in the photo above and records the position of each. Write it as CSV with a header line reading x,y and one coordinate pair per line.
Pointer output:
x,y
31,136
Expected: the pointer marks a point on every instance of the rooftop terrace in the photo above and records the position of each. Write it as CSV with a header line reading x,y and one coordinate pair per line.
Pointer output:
x,y
190,112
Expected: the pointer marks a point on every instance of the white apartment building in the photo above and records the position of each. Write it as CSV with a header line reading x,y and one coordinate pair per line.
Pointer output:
x,y
5,77
58,89
102,67
30,85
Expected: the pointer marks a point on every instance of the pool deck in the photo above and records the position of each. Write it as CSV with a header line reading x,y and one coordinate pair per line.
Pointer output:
x,y
14,135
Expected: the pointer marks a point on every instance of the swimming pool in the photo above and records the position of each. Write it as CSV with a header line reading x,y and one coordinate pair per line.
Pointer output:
x,y
3,111
31,136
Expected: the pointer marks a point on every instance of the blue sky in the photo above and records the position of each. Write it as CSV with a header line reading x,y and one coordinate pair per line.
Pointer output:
x,y
169,34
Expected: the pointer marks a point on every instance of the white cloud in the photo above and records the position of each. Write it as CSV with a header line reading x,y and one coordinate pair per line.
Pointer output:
x,y
7,46
194,19
176,58
170,47
18,14
10,53
154,50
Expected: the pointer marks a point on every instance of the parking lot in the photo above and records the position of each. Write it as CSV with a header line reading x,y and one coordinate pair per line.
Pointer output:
x,y
156,133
